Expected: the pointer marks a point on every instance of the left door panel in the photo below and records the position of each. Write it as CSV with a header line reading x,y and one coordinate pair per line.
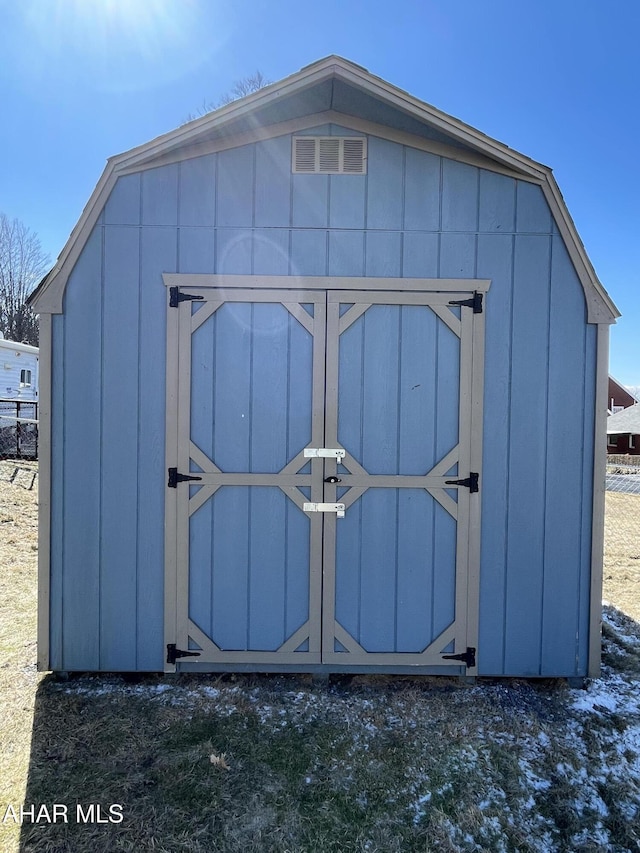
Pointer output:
x,y
245,397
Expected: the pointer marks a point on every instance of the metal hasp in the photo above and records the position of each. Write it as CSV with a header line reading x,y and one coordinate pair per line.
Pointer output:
x,y
176,297
474,302
471,482
468,658
320,507
173,653
175,478
326,452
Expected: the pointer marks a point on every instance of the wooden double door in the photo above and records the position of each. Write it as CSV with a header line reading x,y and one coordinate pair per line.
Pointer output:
x,y
322,491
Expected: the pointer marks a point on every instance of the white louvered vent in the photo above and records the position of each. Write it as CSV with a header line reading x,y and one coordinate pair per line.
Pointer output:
x,y
329,155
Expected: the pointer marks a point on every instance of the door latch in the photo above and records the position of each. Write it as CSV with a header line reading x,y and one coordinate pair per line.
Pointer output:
x,y
332,480
323,507
325,452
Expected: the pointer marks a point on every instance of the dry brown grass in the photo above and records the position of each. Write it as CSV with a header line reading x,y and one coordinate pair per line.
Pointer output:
x,y
18,600
621,581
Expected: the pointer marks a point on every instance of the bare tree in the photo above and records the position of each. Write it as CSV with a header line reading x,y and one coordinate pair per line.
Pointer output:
x,y
242,87
22,264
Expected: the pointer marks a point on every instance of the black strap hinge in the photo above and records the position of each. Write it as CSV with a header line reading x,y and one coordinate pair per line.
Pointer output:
x,y
468,658
474,302
173,653
175,478
176,297
472,482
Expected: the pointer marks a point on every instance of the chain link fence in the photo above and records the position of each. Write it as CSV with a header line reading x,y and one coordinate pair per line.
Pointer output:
x,y
18,429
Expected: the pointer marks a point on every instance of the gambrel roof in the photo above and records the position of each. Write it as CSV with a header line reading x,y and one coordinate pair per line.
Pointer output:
x,y
338,91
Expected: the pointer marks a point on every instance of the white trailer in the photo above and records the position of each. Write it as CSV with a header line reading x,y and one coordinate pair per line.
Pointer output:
x,y
18,399
18,371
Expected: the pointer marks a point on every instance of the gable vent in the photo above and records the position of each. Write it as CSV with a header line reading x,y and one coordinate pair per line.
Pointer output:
x,y
329,155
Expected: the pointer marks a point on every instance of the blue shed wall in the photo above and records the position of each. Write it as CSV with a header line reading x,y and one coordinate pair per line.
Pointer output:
x,y
414,214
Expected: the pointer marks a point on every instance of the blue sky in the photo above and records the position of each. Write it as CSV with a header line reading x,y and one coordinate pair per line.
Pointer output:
x,y
558,80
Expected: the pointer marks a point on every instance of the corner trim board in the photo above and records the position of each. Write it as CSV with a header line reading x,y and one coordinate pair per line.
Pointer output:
x,y
597,521
44,494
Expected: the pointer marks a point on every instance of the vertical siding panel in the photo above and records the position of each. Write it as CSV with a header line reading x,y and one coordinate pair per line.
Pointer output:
x,y
420,255
444,559
497,202
309,252
346,253
273,182
378,581
383,254
123,205
527,486
119,460
566,416
447,403
232,388
201,531
234,251
158,255
380,389
422,191
268,563
310,201
271,251
415,570
495,261
57,493
384,184
346,205
202,384
197,191
418,391
300,373
348,578
533,214
235,187
297,573
196,250
230,568
82,412
160,196
459,196
457,255
269,397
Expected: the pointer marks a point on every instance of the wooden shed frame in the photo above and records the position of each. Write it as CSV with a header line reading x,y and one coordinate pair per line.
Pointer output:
x,y
219,131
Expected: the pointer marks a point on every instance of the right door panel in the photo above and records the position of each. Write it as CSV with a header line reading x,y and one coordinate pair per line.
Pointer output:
x,y
399,382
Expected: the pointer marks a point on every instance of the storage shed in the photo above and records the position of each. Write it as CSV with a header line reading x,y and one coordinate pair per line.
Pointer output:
x,y
303,400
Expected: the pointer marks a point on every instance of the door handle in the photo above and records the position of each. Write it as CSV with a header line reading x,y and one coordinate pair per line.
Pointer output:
x,y
332,480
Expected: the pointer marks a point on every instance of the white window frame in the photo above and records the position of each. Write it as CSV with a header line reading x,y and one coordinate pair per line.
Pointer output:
x,y
25,377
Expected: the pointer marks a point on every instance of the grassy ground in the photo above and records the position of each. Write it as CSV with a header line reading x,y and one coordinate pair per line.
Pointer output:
x,y
621,584
279,764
